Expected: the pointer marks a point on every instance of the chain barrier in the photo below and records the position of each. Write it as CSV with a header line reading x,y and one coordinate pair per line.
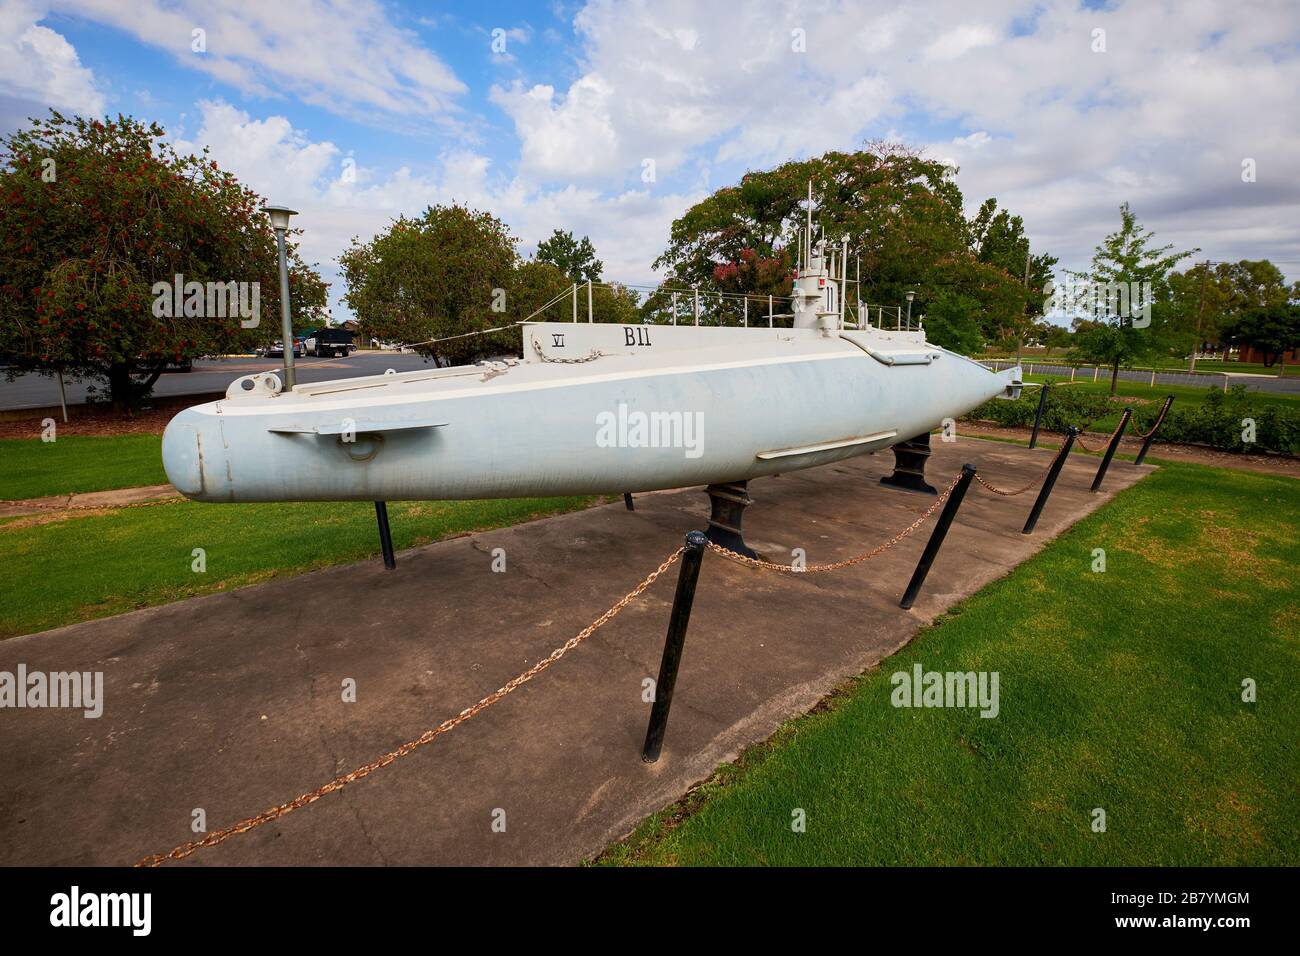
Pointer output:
x,y
338,783
1159,420
848,562
1078,439
1019,491
589,357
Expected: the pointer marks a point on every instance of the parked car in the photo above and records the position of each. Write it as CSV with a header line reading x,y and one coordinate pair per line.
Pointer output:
x,y
333,342
276,350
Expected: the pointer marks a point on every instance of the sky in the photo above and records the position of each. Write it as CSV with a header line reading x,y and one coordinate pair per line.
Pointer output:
x,y
612,118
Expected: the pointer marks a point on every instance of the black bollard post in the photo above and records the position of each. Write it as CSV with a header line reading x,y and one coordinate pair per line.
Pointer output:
x,y
1146,445
1038,416
385,536
1045,492
673,643
936,538
1110,449
627,500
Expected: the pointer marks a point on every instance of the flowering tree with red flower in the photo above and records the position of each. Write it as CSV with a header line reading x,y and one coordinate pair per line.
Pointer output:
x,y
96,216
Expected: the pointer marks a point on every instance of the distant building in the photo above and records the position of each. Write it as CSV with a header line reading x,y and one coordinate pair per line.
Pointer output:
x,y
1248,353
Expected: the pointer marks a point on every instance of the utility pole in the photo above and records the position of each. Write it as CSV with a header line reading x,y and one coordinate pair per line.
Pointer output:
x,y
1020,332
1200,308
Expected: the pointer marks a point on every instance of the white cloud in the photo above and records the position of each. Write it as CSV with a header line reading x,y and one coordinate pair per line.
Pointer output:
x,y
278,161
39,67
1017,99
342,55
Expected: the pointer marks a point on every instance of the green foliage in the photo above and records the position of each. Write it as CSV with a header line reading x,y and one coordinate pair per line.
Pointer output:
x,y
575,258
1126,257
1217,420
902,215
1065,407
1273,328
435,276
1220,422
93,215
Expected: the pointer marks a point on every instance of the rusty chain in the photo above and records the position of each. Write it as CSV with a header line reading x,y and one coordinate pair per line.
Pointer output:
x,y
847,562
1159,419
338,783
1019,491
1078,439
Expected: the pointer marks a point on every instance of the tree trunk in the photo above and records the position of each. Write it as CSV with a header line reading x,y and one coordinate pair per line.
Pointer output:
x,y
120,389
1114,378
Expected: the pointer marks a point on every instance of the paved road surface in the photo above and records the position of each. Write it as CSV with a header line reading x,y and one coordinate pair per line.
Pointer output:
x,y
232,702
34,390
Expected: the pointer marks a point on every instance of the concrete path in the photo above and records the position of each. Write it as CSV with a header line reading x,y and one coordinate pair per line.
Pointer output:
x,y
232,702
88,500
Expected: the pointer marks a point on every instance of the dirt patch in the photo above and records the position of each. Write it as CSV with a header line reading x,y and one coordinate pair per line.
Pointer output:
x,y
89,420
1196,454
57,507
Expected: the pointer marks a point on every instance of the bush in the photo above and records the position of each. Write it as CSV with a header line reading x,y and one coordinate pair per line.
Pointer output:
x,y
1218,422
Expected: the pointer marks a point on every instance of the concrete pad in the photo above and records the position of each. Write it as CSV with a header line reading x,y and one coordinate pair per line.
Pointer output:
x,y
232,702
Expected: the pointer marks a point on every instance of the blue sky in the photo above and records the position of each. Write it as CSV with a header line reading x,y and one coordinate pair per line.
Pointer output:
x,y
355,111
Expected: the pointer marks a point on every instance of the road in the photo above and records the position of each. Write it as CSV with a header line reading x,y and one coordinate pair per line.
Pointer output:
x,y
1255,383
34,390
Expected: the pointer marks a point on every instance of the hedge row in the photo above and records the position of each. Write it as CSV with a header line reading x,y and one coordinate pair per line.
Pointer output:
x,y
1222,421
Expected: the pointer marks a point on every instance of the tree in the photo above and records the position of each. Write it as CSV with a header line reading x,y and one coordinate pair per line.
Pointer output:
x,y
999,240
98,219
576,259
902,216
1273,328
1130,282
445,273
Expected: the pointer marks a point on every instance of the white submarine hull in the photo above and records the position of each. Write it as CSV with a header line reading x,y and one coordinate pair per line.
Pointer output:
x,y
591,409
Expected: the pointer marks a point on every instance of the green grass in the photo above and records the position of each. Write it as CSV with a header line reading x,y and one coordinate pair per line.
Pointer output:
x,y
1119,690
31,468
94,566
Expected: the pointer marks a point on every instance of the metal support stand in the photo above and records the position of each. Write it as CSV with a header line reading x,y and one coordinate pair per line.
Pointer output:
x,y
909,466
1038,416
729,501
627,500
1110,449
1146,445
1046,491
936,538
385,536
673,644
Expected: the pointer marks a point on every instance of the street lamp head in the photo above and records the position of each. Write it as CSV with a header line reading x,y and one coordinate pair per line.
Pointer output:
x,y
280,216
910,296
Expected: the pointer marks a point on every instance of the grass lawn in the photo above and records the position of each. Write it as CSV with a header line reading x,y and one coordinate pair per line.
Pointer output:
x,y
97,565
31,468
1119,690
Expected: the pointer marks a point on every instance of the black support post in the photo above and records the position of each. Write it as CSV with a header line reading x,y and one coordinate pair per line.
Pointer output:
x,y
936,538
1038,416
1110,449
385,536
1146,445
673,644
909,466
627,500
1046,491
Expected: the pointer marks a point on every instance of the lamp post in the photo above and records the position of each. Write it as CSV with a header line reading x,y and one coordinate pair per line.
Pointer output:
x,y
910,296
280,222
